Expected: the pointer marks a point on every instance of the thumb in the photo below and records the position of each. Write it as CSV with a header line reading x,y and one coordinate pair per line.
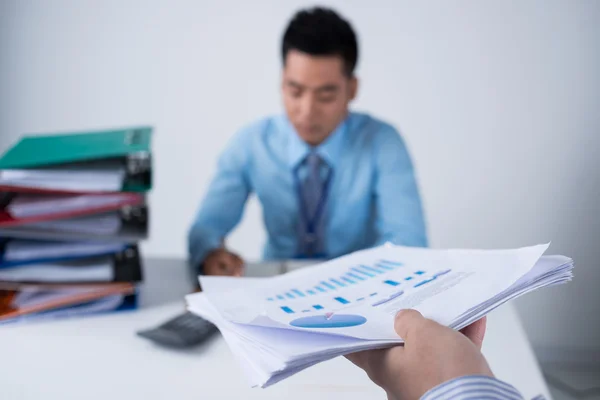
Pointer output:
x,y
476,332
358,358
406,321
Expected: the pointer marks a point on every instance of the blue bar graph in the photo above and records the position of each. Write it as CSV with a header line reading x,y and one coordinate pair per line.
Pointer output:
x,y
371,269
442,273
340,284
305,310
318,307
360,299
280,297
424,282
408,278
311,292
320,289
289,295
419,272
341,300
328,285
396,263
357,277
379,269
391,282
270,299
370,275
350,281
373,294
433,278
389,298
299,293
387,267
287,310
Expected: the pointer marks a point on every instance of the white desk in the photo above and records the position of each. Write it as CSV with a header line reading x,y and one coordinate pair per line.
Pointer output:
x,y
101,357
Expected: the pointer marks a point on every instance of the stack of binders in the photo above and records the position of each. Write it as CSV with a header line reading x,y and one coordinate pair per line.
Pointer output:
x,y
72,210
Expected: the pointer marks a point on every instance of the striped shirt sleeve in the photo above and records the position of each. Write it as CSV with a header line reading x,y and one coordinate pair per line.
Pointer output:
x,y
473,387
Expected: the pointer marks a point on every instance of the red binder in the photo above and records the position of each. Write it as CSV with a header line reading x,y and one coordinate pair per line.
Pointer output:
x,y
22,200
20,189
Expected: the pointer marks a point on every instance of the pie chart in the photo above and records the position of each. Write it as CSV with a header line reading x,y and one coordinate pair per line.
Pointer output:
x,y
334,321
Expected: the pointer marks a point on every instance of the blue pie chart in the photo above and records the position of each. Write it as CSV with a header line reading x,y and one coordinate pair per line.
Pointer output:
x,y
335,321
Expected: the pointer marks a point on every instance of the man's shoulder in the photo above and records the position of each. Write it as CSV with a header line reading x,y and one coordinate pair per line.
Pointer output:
x,y
373,129
260,126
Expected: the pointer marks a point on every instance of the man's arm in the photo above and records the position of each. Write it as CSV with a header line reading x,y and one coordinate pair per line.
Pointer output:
x,y
400,218
224,202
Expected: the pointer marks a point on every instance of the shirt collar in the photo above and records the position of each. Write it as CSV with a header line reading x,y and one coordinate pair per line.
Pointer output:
x,y
329,150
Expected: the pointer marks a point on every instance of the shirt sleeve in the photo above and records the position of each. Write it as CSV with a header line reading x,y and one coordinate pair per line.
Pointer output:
x,y
223,205
399,212
472,388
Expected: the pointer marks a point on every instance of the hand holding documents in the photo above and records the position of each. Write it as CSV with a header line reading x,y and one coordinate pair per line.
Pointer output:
x,y
278,326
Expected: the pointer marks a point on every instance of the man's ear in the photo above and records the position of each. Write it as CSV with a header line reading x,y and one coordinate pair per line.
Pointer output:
x,y
353,88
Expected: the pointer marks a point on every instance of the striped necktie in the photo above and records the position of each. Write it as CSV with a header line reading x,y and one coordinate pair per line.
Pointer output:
x,y
313,193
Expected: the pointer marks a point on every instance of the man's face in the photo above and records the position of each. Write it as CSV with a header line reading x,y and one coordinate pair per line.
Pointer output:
x,y
316,94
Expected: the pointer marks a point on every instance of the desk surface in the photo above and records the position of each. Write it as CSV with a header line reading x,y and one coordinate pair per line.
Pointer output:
x,y
100,357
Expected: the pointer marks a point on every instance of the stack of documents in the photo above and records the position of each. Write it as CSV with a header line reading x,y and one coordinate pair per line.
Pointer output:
x,y
60,279
72,209
65,185
279,326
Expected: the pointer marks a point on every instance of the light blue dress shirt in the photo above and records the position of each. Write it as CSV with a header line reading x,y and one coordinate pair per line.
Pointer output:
x,y
373,195
474,387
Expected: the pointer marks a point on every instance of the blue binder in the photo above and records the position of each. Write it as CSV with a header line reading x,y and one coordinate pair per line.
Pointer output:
x,y
43,260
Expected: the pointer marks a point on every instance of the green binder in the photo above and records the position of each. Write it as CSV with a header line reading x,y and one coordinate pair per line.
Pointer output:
x,y
129,145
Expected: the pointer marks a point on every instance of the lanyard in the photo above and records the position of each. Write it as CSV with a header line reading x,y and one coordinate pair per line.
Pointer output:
x,y
312,221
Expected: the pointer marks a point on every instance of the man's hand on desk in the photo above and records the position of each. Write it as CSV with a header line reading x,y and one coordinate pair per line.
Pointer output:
x,y
223,262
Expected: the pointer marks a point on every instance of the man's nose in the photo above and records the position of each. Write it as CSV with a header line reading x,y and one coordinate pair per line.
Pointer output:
x,y
308,107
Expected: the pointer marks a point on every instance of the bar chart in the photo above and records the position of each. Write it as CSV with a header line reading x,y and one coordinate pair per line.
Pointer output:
x,y
332,316
353,276
375,283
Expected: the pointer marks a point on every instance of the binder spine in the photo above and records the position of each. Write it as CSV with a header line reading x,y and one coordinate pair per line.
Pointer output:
x,y
135,216
3,244
127,265
6,198
138,167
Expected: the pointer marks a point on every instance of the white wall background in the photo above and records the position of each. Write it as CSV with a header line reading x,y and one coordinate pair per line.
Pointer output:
x,y
499,102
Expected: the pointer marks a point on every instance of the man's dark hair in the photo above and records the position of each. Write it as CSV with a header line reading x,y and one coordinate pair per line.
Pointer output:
x,y
321,32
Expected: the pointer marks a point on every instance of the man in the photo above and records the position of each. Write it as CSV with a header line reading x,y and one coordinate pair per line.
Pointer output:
x,y
435,362
330,181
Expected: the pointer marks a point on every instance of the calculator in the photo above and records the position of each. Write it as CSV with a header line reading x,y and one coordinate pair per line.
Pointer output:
x,y
183,331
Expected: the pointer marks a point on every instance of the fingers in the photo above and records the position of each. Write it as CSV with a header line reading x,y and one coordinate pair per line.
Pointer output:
x,y
376,363
407,320
476,332
238,270
237,264
224,263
